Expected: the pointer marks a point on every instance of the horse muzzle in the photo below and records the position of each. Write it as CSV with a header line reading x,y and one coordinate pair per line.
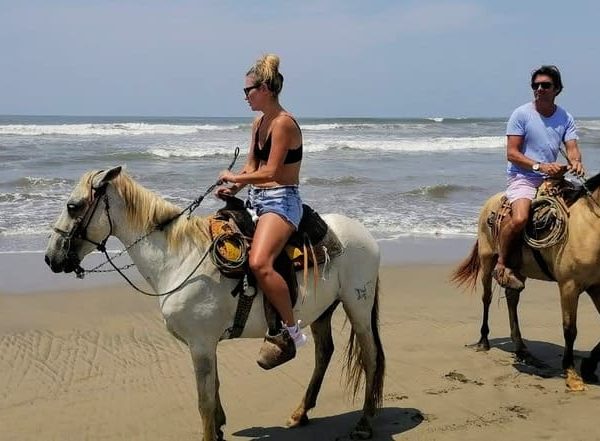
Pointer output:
x,y
68,264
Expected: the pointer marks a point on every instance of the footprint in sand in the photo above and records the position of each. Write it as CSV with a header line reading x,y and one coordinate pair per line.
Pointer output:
x,y
519,411
393,396
457,376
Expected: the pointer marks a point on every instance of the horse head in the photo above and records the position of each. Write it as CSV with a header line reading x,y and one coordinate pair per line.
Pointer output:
x,y
84,223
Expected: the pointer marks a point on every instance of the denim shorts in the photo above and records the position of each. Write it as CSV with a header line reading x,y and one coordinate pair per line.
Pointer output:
x,y
284,201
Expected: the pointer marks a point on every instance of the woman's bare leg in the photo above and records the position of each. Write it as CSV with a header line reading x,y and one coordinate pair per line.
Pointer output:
x,y
270,237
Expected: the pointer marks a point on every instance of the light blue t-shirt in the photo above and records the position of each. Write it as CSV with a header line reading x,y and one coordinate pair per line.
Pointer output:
x,y
542,137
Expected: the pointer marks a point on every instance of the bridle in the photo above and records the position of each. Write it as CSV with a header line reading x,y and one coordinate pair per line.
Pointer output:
x,y
79,228
79,231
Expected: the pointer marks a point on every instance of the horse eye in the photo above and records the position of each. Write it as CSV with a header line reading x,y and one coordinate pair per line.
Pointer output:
x,y
74,207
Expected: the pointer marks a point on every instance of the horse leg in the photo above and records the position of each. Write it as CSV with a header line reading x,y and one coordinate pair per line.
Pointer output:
x,y
321,331
569,299
367,356
204,361
220,418
512,301
486,280
589,365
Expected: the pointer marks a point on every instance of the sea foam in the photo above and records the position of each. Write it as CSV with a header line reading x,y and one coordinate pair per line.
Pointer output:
x,y
440,144
109,129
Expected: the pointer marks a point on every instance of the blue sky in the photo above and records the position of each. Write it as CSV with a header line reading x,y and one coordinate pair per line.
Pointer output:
x,y
339,58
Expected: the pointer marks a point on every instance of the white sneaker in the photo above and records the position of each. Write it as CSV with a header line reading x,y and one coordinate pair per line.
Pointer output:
x,y
297,335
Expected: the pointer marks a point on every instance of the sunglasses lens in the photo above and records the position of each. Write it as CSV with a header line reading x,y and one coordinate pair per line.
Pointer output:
x,y
248,89
543,84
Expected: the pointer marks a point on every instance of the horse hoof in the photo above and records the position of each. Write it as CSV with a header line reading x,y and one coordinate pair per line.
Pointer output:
x,y
579,387
574,382
479,346
295,421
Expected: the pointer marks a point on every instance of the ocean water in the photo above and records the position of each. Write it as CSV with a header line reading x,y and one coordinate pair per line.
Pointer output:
x,y
403,178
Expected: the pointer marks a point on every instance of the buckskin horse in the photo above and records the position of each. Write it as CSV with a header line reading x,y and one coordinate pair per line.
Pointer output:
x,y
199,310
573,263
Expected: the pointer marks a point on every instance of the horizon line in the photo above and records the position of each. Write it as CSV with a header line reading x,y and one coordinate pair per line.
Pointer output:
x,y
251,116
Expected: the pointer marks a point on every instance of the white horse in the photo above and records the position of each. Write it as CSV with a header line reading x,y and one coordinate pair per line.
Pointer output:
x,y
106,203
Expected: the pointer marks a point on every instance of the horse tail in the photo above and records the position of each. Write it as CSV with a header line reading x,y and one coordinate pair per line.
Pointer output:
x,y
355,362
380,357
466,273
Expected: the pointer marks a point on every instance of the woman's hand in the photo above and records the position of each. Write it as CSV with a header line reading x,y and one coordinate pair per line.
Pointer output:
x,y
226,176
226,192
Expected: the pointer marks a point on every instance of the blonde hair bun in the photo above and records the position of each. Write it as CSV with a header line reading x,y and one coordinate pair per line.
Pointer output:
x,y
266,70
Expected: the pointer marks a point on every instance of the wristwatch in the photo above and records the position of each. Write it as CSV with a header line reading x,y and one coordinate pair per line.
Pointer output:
x,y
536,167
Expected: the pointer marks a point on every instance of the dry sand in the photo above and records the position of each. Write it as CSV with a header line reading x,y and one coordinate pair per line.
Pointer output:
x,y
98,364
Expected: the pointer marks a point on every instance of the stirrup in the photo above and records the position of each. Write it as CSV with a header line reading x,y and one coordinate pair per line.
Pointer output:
x,y
506,279
276,350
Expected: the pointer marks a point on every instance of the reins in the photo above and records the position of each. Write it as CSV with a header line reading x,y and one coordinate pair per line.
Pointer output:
x,y
581,179
550,214
101,246
152,294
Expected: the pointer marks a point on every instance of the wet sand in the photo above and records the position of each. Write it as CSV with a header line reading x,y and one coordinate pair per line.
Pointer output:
x,y
96,363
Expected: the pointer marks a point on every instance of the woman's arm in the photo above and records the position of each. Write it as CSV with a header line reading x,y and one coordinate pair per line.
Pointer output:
x,y
250,166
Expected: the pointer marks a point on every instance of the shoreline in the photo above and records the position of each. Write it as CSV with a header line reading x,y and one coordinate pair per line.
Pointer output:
x,y
26,272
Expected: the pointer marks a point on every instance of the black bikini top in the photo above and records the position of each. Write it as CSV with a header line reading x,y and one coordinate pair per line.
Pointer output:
x,y
262,154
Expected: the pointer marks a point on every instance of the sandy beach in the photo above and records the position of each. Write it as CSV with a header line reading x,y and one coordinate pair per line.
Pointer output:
x,y
96,363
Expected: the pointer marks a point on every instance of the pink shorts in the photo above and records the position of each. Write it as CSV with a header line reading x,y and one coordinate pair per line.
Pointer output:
x,y
522,187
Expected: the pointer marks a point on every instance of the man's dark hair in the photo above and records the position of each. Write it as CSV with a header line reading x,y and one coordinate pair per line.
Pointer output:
x,y
551,71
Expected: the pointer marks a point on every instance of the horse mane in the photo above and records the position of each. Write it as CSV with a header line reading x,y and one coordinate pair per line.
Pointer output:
x,y
590,185
593,183
145,210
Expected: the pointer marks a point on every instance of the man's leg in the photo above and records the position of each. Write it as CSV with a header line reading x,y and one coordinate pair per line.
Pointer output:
x,y
510,232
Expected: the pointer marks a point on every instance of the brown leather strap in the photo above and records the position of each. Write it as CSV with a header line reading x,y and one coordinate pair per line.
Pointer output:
x,y
542,263
505,210
242,310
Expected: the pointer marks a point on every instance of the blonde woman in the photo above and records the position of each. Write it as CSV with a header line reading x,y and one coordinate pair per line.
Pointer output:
x,y
272,170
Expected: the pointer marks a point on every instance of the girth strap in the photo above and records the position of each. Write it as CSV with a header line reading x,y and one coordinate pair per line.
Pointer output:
x,y
246,292
542,263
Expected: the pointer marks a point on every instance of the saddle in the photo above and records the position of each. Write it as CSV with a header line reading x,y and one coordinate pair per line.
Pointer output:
x,y
548,213
232,229
547,223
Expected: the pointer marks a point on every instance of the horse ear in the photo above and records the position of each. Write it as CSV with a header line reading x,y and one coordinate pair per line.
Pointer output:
x,y
105,176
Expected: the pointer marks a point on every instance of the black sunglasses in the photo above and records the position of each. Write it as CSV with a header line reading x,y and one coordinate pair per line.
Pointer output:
x,y
248,89
544,85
